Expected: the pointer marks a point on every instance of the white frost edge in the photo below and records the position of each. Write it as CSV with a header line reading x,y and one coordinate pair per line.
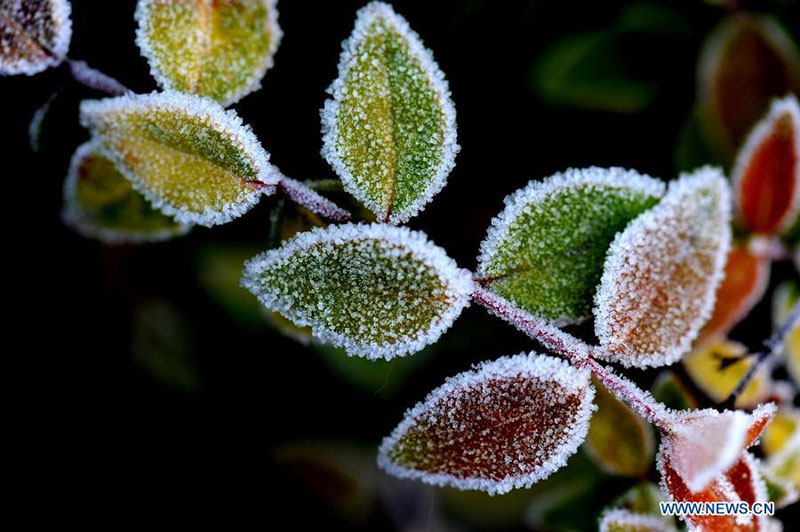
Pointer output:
x,y
641,522
534,192
196,106
62,10
458,282
330,130
72,213
141,17
703,176
537,366
755,138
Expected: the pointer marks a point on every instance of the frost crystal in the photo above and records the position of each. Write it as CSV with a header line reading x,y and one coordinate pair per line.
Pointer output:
x,y
702,444
100,203
390,129
739,483
378,291
662,272
743,285
220,50
620,520
187,155
506,424
619,440
34,35
766,178
545,251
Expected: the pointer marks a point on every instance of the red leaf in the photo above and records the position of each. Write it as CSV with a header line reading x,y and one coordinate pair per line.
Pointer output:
x,y
767,173
506,424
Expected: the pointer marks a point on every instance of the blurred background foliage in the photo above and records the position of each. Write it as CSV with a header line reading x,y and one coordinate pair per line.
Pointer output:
x,y
177,380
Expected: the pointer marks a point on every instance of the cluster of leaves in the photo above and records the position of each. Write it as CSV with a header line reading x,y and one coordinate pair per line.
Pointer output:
x,y
652,264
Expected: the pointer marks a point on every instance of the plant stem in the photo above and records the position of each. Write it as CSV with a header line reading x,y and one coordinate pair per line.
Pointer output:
x,y
94,79
311,200
774,345
767,248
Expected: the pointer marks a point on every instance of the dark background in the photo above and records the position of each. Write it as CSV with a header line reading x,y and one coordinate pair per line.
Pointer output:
x,y
114,432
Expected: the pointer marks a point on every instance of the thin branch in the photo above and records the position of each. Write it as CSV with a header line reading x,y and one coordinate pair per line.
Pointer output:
x,y
769,248
774,346
94,79
313,201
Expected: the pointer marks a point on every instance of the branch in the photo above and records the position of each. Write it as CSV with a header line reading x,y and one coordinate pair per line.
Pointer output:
x,y
774,345
94,79
311,200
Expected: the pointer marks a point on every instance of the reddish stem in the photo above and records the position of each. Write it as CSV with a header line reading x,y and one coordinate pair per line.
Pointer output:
x,y
311,200
768,248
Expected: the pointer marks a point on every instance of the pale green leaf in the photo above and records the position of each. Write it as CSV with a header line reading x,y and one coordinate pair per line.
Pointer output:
x,y
100,203
187,155
389,131
377,290
662,272
216,49
545,251
34,35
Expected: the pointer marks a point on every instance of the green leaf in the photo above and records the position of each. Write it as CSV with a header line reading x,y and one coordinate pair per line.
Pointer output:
x,y
621,520
662,272
545,251
216,49
187,155
34,35
389,131
100,203
672,392
643,498
590,70
619,440
377,290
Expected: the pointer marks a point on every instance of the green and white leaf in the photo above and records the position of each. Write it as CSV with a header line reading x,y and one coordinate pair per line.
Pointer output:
x,y
545,251
376,290
389,130
661,275
100,203
220,50
191,158
34,35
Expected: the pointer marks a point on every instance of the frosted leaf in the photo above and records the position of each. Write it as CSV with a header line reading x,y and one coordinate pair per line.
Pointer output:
x,y
220,50
34,35
743,285
506,424
741,482
37,122
766,177
376,290
781,445
545,251
703,444
783,298
187,155
619,440
662,272
746,61
620,520
389,130
717,367
100,203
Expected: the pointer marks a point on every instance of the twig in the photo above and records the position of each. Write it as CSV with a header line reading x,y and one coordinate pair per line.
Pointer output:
x,y
774,345
311,200
94,79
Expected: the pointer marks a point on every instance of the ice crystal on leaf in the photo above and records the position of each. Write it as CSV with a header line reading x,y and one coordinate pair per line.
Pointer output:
x,y
389,130
620,520
741,482
662,272
100,203
187,155
506,424
220,50
376,290
766,178
747,61
717,367
743,285
34,35
619,440
545,251
702,444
